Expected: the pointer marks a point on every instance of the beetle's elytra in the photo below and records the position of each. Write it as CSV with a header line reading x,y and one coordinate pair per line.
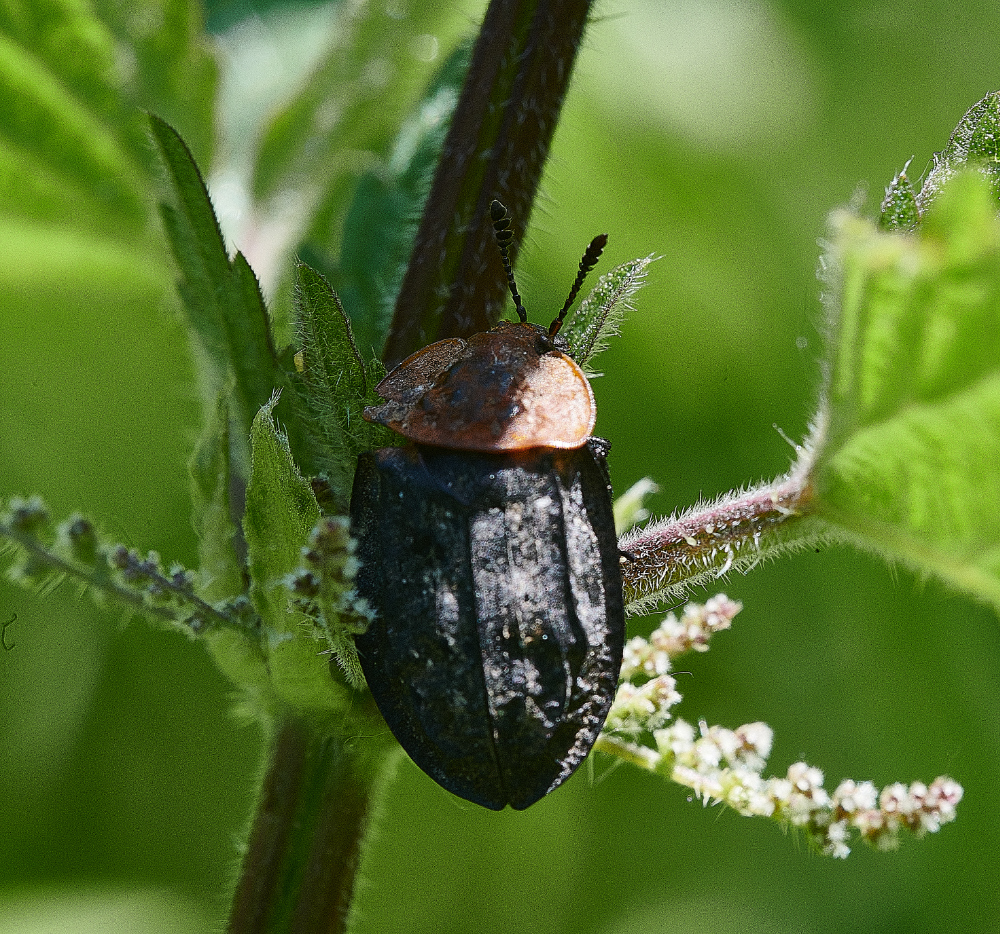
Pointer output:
x,y
488,553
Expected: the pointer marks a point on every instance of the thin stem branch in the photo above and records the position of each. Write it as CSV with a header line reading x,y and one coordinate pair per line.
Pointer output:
x,y
108,586
708,541
634,753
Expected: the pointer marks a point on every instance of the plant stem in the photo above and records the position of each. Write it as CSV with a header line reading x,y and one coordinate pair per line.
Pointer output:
x,y
496,147
708,541
313,815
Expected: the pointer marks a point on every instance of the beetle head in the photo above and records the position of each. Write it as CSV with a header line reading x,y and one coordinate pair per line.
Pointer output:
x,y
512,388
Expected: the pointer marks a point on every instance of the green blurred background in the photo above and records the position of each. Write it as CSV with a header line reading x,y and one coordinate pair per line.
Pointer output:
x,y
719,135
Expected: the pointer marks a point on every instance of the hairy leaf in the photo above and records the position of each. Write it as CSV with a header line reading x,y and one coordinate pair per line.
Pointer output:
x,y
281,511
222,297
911,463
600,313
211,507
337,384
974,144
281,508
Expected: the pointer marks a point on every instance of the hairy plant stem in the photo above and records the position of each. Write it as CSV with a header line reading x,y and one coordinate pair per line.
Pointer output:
x,y
636,754
496,147
313,815
735,532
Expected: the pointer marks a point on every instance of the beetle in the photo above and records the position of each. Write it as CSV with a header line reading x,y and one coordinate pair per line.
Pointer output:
x,y
488,553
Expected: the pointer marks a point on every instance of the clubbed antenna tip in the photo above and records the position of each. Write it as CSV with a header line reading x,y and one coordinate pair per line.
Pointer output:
x,y
590,257
504,235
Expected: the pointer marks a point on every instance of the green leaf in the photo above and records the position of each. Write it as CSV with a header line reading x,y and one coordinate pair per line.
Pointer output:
x,y
600,314
210,490
223,300
899,210
381,220
325,584
975,143
74,181
911,462
337,384
281,511
68,140
355,98
171,69
375,217
340,127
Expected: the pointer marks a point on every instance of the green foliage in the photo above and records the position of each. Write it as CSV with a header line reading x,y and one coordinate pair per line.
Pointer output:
x,y
600,314
975,143
350,105
74,183
63,111
337,145
211,511
75,166
381,220
281,511
325,589
336,384
910,465
170,64
899,209
225,309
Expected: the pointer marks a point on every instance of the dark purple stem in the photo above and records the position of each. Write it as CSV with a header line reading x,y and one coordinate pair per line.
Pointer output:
x,y
709,541
496,148
300,867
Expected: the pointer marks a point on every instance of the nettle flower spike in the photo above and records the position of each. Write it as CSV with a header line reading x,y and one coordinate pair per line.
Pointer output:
x,y
324,589
44,554
726,766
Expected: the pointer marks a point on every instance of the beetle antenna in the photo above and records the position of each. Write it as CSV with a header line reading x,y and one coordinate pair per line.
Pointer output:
x,y
504,235
590,257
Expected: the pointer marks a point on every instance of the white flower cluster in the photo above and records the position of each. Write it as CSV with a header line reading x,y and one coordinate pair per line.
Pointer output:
x,y
641,708
651,657
879,817
726,766
720,764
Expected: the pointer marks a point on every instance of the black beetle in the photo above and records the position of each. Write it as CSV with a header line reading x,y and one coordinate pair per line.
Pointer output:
x,y
489,556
